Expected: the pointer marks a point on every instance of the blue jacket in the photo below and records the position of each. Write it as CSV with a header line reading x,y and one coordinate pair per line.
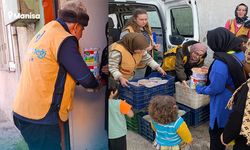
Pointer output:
x,y
219,76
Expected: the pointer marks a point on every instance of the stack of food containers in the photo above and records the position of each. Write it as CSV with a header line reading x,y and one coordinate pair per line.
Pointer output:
x,y
91,58
198,77
197,103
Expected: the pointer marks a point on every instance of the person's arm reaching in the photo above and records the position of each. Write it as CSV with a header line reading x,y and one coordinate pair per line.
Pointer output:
x,y
217,77
70,57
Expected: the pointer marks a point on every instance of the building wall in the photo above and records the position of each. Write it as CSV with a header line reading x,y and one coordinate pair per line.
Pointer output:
x,y
87,118
9,80
213,14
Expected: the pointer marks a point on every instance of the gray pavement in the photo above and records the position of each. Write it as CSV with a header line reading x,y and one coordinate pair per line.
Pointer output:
x,y
10,137
200,135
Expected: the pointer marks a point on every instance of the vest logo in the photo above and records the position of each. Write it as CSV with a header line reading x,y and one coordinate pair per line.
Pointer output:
x,y
40,53
39,36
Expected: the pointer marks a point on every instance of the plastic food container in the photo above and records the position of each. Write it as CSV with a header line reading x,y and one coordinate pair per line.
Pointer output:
x,y
197,81
134,83
91,54
143,81
199,73
147,117
181,112
94,68
155,79
151,84
162,81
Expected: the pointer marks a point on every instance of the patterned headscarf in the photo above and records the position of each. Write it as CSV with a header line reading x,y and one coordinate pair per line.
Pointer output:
x,y
244,18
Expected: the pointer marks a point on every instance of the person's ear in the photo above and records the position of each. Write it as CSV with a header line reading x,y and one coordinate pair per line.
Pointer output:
x,y
75,27
134,19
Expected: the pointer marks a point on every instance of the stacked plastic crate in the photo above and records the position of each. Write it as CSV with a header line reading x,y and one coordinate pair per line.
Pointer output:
x,y
197,103
132,123
139,97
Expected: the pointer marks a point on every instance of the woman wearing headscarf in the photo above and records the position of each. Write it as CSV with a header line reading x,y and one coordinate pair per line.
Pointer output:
x,y
224,74
191,54
126,54
241,24
237,127
138,23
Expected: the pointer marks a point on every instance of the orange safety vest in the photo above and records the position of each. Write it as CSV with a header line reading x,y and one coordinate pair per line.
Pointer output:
x,y
39,74
142,65
129,62
242,31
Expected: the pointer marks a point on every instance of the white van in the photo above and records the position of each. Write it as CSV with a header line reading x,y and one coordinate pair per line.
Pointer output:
x,y
177,21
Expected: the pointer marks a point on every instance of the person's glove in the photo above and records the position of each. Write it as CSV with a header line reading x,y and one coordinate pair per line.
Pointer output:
x,y
199,89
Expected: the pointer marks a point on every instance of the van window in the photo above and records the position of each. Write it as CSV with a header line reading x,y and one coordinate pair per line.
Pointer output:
x,y
153,19
182,22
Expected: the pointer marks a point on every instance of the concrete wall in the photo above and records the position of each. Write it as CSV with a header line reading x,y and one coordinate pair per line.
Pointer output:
x,y
213,14
9,80
87,118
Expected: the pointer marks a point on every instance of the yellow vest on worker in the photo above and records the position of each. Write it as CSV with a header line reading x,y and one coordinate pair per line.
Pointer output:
x,y
39,74
242,31
129,62
168,63
142,65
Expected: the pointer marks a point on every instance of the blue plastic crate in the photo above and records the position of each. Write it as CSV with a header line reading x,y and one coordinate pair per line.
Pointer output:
x,y
187,115
139,96
198,116
145,129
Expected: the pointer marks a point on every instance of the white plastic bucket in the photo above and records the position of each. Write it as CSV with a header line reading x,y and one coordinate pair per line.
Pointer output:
x,y
181,112
155,79
94,68
91,54
143,81
197,81
151,84
199,73
134,83
147,117
162,81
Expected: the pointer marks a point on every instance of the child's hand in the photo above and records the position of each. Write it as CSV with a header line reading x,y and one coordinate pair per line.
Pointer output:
x,y
112,94
191,143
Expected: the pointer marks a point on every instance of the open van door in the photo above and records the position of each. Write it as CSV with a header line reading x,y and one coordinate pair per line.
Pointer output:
x,y
181,22
121,10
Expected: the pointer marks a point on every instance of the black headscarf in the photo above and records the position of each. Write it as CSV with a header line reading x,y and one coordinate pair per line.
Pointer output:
x,y
221,40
